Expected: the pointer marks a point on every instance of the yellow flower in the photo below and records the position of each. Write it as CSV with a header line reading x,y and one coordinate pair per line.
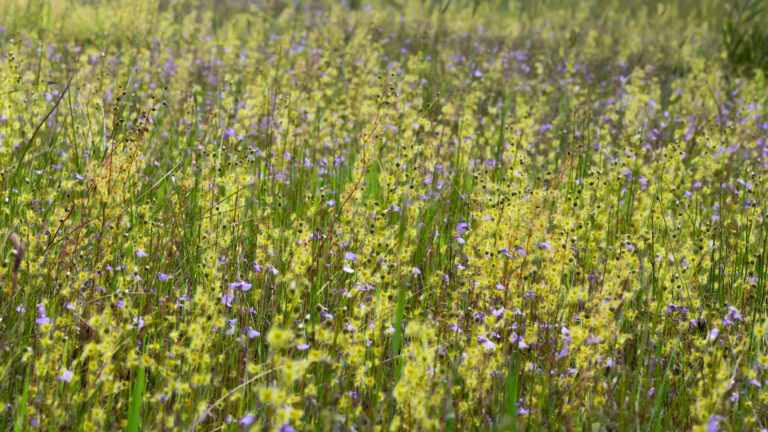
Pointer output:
x,y
279,338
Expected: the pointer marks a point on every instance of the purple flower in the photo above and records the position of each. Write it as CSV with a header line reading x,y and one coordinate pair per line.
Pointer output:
x,y
462,227
713,423
416,271
302,347
563,352
287,428
140,253
350,256
163,277
66,375
455,328
139,322
42,319
246,420
245,286
253,333
226,299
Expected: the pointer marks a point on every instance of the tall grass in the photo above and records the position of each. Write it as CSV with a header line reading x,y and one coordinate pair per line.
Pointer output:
x,y
389,216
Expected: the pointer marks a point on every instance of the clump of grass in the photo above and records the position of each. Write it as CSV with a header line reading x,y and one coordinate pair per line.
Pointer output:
x,y
745,35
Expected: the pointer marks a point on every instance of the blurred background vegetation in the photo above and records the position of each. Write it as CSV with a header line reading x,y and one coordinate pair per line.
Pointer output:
x,y
734,30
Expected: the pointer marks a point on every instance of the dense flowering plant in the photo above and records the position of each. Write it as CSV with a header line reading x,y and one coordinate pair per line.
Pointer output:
x,y
319,215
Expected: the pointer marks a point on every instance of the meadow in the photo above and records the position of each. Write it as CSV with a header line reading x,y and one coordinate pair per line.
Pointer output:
x,y
383,215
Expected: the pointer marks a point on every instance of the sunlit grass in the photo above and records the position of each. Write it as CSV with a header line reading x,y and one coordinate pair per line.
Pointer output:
x,y
388,216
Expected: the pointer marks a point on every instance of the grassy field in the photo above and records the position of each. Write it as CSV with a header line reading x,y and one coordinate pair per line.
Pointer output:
x,y
403,215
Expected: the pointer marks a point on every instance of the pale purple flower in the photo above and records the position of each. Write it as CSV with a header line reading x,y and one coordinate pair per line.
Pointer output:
x,y
231,330
245,286
139,322
163,276
253,333
562,353
713,422
416,271
66,375
226,299
140,253
42,319
350,256
246,420
302,347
